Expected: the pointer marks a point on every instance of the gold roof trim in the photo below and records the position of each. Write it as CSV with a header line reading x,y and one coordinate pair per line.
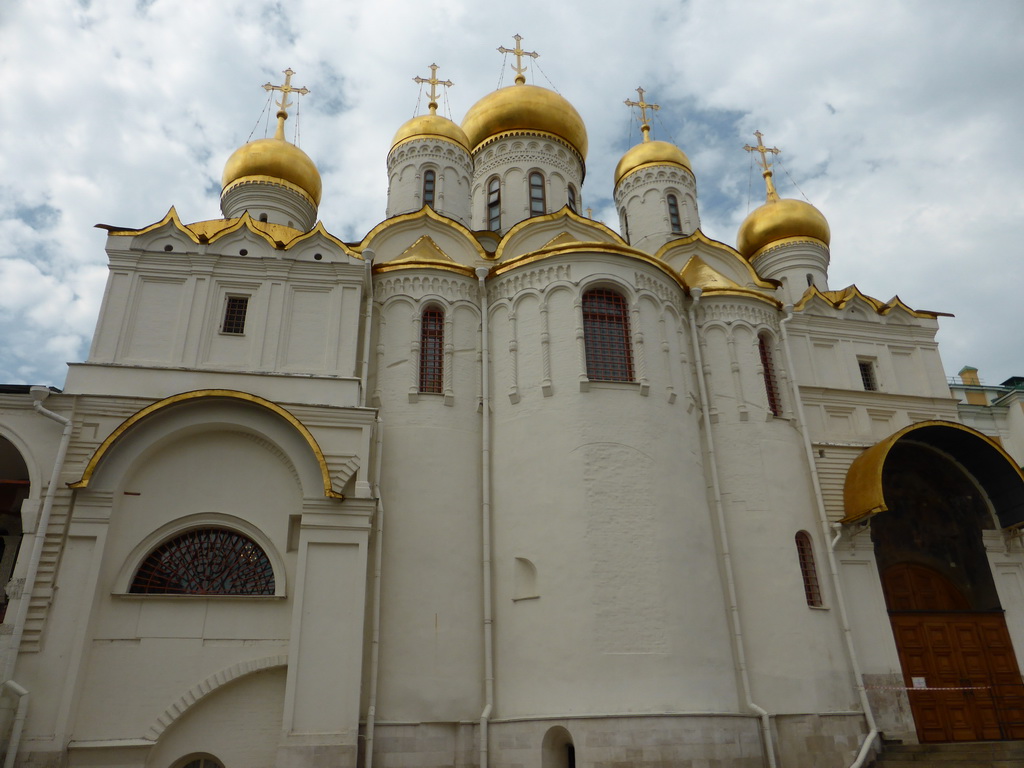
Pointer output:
x,y
171,217
320,231
184,397
274,180
788,241
391,266
684,243
563,238
840,300
565,212
699,274
532,133
582,246
426,212
424,249
863,494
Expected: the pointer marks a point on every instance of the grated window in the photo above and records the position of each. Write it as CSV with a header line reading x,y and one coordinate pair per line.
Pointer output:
x,y
867,375
673,215
432,350
538,205
771,387
234,315
805,552
429,181
206,561
606,336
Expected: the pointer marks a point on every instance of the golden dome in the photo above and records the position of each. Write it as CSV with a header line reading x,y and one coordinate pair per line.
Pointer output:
x,y
431,126
650,153
524,107
778,219
276,159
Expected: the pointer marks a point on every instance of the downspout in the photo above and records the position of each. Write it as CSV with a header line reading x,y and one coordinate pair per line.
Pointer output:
x,y
833,567
734,612
485,516
39,394
364,370
371,710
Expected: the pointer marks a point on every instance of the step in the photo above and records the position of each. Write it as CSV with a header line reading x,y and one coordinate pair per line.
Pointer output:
x,y
975,754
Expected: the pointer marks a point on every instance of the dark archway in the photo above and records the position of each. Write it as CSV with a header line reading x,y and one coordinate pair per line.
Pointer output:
x,y
14,489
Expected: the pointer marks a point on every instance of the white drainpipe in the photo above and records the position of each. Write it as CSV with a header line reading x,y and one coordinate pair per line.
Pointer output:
x,y
39,394
371,710
364,372
485,517
734,611
833,567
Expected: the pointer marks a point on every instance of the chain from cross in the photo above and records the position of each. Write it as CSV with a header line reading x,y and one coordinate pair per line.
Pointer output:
x,y
518,51
285,90
644,106
434,82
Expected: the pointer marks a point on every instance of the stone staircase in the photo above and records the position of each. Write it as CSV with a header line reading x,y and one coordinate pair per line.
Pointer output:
x,y
975,754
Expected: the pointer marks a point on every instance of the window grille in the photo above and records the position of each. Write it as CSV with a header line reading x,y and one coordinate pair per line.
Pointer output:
x,y
771,387
867,375
494,204
432,350
234,315
572,199
673,215
538,206
206,561
805,553
429,181
606,336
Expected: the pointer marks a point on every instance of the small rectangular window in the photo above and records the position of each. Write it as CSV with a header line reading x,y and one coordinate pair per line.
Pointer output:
x,y
234,315
867,375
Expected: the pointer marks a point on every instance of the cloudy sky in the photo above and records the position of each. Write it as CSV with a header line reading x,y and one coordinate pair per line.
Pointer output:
x,y
903,122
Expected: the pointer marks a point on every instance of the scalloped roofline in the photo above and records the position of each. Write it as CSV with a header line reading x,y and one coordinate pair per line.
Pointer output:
x,y
426,212
840,299
565,212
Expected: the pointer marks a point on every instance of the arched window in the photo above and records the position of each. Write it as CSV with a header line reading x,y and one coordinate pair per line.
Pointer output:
x,y
673,215
538,206
429,181
606,336
206,561
805,552
771,387
572,199
494,204
432,350
201,762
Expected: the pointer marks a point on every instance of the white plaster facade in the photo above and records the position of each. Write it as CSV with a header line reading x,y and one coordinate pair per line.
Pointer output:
x,y
510,562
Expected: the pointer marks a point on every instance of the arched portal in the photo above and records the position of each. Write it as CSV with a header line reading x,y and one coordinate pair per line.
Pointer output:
x,y
14,489
955,651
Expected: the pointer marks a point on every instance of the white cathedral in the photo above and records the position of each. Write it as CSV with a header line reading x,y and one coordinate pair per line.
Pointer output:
x,y
498,486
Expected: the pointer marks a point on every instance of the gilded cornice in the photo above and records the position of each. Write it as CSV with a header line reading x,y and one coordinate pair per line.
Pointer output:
x,y
583,247
199,394
565,212
531,134
784,241
841,299
273,181
428,213
728,252
392,266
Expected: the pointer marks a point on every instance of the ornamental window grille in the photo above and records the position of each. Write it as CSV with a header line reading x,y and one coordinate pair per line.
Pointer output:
x,y
572,199
234,315
867,375
206,561
494,204
673,215
432,350
805,553
538,205
771,384
429,183
606,336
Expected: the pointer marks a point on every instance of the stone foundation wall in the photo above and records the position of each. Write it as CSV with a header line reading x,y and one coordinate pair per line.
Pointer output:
x,y
818,741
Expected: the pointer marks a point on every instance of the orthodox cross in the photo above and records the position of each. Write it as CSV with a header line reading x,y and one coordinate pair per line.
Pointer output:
x,y
645,125
282,113
766,168
434,82
519,53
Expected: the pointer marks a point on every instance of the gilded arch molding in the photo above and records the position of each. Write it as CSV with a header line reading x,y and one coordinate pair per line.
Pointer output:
x,y
201,394
991,466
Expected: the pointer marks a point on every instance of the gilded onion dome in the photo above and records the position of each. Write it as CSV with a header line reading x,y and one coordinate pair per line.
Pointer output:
x,y
523,107
431,126
650,153
274,160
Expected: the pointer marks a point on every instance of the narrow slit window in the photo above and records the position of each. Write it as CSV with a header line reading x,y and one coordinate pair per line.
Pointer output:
x,y
206,561
494,204
234,315
572,199
771,385
867,375
606,336
432,351
538,205
805,553
429,183
673,215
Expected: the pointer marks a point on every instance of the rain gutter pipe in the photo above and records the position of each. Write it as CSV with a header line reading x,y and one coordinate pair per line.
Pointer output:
x,y
378,550
485,516
844,619
734,611
364,372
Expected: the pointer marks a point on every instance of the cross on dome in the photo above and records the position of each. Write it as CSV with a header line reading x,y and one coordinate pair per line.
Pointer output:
x,y
766,167
434,82
518,67
645,125
283,104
